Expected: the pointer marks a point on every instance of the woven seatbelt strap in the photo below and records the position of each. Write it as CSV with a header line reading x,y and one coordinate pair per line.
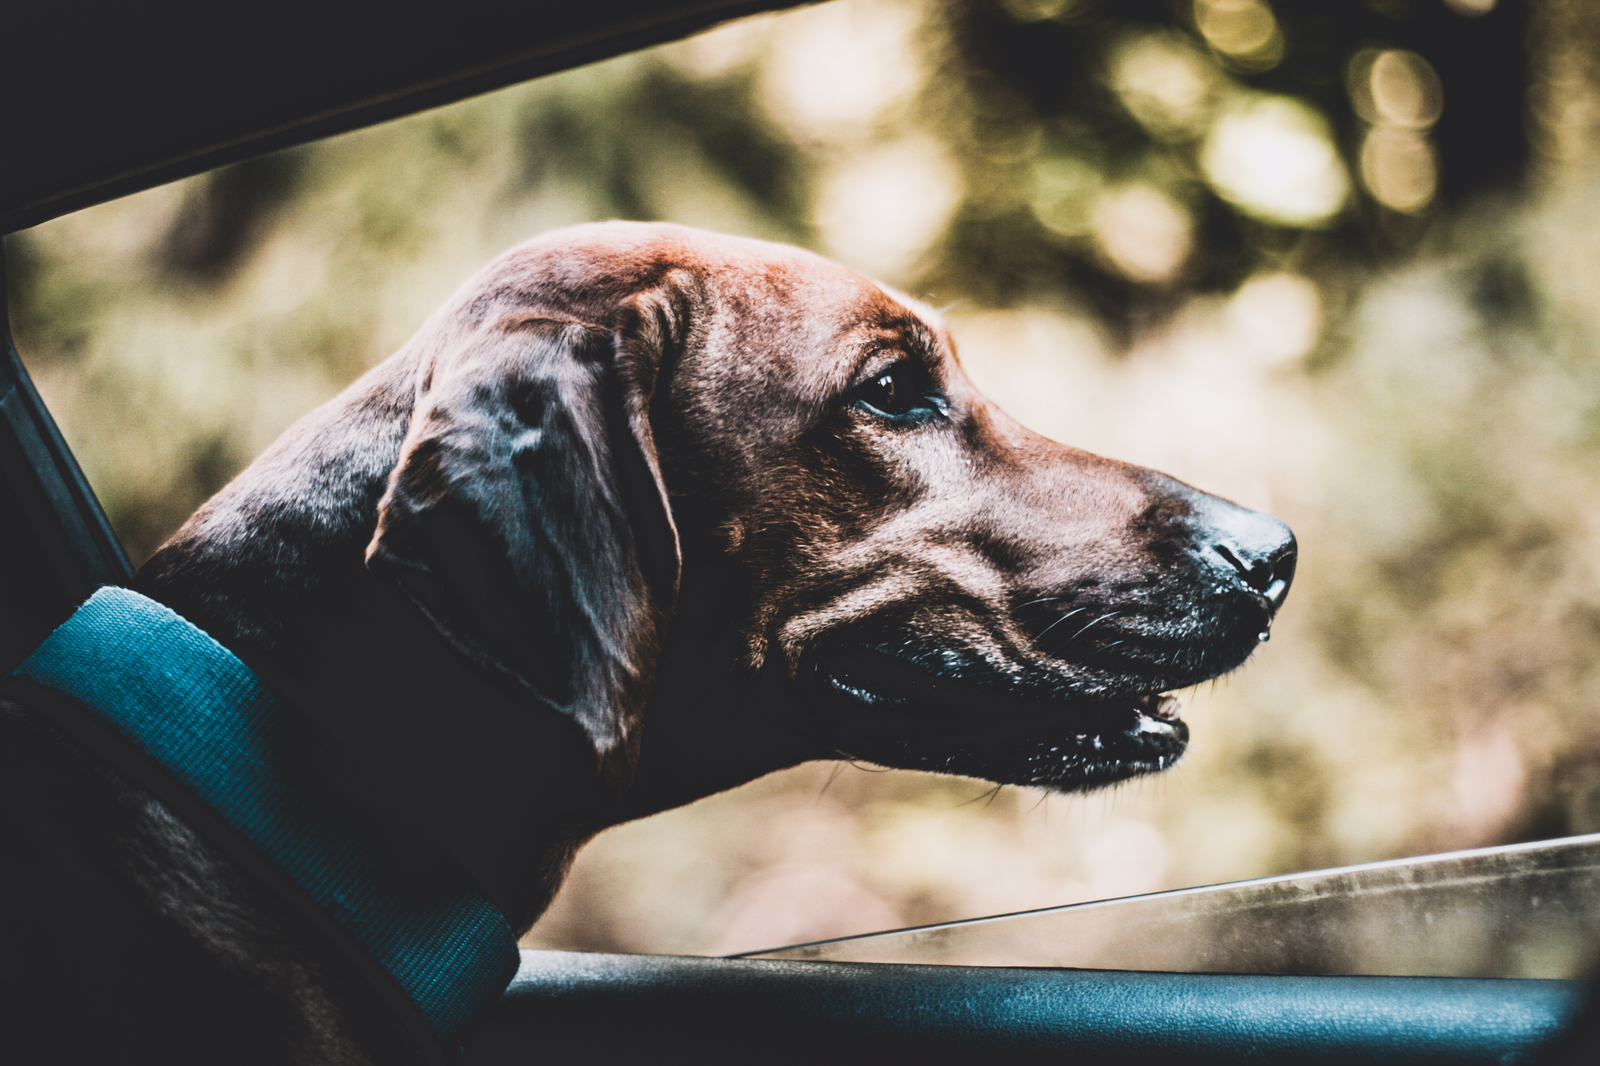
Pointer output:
x,y
191,706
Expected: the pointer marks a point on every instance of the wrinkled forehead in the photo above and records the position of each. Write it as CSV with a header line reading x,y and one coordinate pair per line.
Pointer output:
x,y
810,328
776,327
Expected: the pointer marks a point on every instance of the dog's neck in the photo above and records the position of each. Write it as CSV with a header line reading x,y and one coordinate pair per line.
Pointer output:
x,y
446,755
713,723
453,759
443,758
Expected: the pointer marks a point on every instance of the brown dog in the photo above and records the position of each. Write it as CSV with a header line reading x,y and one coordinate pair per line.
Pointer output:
x,y
641,514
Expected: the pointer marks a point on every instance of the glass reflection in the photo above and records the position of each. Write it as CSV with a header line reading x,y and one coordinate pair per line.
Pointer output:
x,y
1527,910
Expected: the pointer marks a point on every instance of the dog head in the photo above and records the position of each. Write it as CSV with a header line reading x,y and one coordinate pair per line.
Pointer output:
x,y
611,417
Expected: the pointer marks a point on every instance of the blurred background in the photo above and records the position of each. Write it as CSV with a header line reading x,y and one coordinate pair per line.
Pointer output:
x,y
1333,259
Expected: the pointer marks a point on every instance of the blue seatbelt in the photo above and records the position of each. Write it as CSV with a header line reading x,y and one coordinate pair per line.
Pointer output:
x,y
193,707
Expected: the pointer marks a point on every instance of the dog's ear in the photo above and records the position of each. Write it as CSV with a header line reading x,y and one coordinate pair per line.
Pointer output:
x,y
528,519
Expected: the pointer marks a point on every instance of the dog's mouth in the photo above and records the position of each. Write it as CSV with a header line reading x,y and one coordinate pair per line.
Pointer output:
x,y
884,708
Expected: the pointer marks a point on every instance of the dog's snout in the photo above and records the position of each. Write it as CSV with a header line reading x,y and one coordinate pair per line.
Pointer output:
x,y
1256,548
1268,574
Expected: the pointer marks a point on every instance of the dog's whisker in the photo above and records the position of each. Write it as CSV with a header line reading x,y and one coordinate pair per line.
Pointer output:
x,y
987,796
1041,599
1058,621
857,764
1065,644
838,768
1105,647
1091,625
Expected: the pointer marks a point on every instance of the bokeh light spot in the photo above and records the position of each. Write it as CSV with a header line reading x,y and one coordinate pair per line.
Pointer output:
x,y
1063,194
716,53
1142,233
835,69
1244,31
1039,10
1406,90
1164,84
881,210
1398,168
1276,317
1273,157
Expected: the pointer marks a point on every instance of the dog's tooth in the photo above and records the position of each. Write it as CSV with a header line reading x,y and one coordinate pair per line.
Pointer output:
x,y
1165,707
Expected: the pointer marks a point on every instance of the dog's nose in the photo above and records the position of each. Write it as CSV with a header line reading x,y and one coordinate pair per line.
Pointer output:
x,y
1256,547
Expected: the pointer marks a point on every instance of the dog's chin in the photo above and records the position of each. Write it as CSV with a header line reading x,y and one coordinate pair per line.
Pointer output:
x,y
885,709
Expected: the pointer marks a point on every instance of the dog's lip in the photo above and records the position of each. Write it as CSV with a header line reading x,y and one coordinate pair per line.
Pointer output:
x,y
880,680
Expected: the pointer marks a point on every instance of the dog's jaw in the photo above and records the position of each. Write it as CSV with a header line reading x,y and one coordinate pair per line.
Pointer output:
x,y
885,708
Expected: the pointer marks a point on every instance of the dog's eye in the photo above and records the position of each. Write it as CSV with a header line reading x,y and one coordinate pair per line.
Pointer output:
x,y
903,393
